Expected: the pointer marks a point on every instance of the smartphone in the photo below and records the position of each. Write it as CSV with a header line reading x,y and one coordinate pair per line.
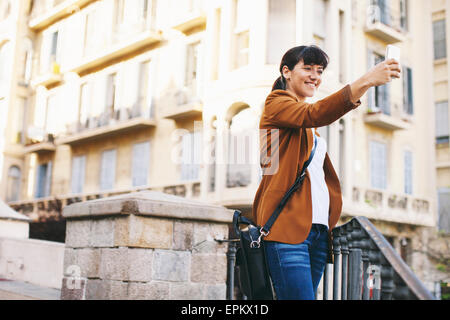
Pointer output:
x,y
393,52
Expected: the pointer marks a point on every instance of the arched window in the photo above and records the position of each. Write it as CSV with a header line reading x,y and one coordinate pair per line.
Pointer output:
x,y
240,147
13,187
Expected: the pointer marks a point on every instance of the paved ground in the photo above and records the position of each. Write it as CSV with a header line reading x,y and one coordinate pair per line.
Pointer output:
x,y
16,290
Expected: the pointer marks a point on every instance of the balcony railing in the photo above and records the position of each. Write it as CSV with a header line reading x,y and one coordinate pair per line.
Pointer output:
x,y
182,104
385,23
107,124
389,206
47,144
365,267
46,12
50,208
103,49
189,15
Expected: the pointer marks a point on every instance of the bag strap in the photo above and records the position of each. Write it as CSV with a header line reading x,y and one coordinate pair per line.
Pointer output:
x,y
295,186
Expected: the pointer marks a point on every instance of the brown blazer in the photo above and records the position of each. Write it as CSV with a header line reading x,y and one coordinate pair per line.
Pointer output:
x,y
294,120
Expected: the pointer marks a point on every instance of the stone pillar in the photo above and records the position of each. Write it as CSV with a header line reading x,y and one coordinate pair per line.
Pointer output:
x,y
145,245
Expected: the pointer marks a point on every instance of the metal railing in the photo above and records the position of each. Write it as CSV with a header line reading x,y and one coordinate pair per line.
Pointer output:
x,y
366,267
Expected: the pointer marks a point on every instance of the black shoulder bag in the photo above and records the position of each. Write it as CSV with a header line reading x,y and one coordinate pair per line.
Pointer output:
x,y
254,277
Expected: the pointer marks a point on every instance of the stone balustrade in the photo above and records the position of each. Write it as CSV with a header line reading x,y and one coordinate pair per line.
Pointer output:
x,y
145,245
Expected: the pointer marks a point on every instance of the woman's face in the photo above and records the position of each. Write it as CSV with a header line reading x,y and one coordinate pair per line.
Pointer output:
x,y
303,80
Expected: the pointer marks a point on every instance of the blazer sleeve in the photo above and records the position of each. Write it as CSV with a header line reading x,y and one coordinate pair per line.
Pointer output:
x,y
283,110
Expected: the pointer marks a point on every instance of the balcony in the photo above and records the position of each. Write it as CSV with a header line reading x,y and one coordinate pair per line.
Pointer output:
x,y
46,12
385,121
389,206
189,16
39,146
106,125
49,79
385,24
182,104
125,41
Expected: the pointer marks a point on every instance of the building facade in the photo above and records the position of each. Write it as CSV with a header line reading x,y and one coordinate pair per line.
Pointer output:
x,y
120,96
440,12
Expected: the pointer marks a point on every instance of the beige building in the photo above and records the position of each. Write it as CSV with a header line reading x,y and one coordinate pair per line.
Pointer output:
x,y
440,13
112,96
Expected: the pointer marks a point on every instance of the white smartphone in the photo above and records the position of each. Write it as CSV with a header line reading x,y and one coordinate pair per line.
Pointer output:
x,y
393,52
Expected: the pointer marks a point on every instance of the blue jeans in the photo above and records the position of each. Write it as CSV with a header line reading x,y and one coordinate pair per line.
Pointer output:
x,y
296,269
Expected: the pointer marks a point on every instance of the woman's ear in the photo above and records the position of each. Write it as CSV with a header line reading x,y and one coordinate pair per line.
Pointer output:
x,y
286,72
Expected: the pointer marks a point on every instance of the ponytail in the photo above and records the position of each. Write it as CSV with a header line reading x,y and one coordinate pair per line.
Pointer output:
x,y
279,84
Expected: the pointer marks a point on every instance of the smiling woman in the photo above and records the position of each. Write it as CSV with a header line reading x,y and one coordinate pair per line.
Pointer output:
x,y
299,243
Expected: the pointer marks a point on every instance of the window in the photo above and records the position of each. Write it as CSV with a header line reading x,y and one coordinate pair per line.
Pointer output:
x,y
444,209
191,152
404,21
140,164
111,86
439,39
83,113
43,180
342,48
383,12
408,173
144,102
281,29
53,49
442,127
408,106
55,115
320,24
342,154
13,187
378,165
78,173
378,97
240,148
108,170
192,67
130,17
241,40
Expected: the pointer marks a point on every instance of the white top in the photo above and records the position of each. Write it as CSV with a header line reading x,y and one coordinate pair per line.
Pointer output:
x,y
319,191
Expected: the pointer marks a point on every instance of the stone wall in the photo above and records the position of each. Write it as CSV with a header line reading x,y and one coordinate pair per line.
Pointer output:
x,y
145,245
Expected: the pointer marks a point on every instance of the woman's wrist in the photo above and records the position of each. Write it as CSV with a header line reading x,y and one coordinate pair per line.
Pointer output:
x,y
359,87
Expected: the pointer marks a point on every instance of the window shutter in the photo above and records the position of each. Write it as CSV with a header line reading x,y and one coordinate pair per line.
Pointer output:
x,y
78,173
439,39
371,91
48,179
410,91
140,163
442,122
408,172
198,139
186,156
108,170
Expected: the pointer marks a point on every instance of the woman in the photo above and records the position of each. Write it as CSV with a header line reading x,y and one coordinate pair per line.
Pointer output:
x,y
299,242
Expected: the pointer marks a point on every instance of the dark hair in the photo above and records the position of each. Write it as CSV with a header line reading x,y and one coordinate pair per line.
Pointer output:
x,y
311,55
